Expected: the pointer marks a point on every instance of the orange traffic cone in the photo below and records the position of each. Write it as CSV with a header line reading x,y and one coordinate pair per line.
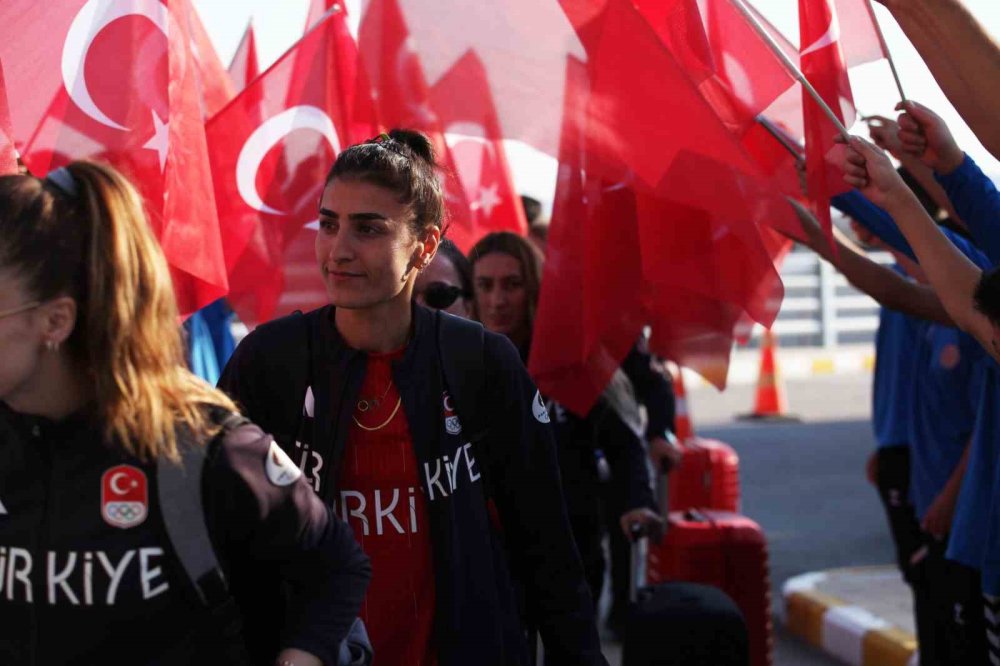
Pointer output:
x,y
682,419
769,402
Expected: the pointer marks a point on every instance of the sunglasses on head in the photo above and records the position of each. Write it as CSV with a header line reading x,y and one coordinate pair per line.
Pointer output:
x,y
441,296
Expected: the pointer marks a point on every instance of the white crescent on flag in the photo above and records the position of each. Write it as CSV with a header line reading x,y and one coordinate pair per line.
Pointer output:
x,y
265,137
468,131
831,36
92,18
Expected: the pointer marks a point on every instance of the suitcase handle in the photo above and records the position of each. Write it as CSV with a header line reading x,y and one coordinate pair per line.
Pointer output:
x,y
695,516
638,546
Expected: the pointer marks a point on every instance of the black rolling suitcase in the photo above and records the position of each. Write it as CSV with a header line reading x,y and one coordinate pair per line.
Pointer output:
x,y
680,624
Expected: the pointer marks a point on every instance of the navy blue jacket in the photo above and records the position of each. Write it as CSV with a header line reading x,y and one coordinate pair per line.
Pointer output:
x,y
477,620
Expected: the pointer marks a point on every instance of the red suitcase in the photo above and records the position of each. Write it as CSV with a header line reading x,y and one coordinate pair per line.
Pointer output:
x,y
708,477
726,550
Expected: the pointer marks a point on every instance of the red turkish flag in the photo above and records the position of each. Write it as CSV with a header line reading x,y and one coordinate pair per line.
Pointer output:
x,y
271,150
117,81
823,64
216,87
8,156
464,107
693,167
590,310
245,67
735,71
739,77
318,9
640,235
861,40
403,99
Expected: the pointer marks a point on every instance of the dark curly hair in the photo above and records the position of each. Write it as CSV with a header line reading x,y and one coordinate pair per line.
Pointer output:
x,y
403,162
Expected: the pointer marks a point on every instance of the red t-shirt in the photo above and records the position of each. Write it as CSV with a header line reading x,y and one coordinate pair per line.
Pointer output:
x,y
381,498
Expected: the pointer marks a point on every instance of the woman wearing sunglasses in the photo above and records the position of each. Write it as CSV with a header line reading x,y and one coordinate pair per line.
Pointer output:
x,y
446,283
447,511
97,415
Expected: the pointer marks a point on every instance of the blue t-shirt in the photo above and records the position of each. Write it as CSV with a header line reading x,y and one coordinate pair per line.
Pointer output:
x,y
891,385
877,221
969,530
977,202
948,375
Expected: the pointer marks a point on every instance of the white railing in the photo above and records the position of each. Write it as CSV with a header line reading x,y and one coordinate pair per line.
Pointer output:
x,y
820,308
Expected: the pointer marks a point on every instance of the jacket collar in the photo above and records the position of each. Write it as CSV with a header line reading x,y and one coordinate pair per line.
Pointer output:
x,y
421,323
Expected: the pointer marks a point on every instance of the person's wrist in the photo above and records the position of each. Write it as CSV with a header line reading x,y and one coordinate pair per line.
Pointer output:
x,y
950,162
899,199
906,8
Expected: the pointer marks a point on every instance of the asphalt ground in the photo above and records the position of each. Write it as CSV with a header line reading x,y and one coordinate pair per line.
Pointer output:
x,y
804,483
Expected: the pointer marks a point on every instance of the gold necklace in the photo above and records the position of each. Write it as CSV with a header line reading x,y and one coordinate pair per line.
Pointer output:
x,y
373,403
384,423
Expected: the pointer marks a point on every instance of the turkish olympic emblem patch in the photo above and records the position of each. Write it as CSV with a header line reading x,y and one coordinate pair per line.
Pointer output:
x,y
124,496
279,468
451,423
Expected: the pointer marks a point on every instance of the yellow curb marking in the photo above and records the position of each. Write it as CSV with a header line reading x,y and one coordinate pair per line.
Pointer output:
x,y
868,362
888,647
805,611
823,366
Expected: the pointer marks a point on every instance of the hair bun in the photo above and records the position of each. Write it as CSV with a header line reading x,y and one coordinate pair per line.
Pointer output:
x,y
417,142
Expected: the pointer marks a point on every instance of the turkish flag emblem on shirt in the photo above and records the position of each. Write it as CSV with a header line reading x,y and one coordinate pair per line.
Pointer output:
x,y
124,498
117,81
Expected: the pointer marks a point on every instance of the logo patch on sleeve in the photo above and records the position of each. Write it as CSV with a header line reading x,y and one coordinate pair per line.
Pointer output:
x,y
279,468
124,499
538,408
950,357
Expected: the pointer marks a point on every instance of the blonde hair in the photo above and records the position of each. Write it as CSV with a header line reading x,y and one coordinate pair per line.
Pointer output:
x,y
96,246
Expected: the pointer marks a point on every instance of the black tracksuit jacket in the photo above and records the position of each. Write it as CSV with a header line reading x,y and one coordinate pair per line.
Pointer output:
x,y
76,589
477,619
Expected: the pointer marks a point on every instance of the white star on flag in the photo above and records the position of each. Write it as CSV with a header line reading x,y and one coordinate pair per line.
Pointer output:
x,y
160,141
489,199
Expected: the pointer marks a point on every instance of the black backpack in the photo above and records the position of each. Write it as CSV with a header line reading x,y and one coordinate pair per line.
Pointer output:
x,y
180,496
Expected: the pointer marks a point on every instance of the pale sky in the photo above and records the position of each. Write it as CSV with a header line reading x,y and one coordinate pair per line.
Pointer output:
x,y
279,24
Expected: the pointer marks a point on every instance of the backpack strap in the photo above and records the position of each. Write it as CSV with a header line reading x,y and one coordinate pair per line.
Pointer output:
x,y
461,345
180,494
461,348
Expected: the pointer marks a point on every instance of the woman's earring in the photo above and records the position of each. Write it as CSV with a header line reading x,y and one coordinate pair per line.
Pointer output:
x,y
52,345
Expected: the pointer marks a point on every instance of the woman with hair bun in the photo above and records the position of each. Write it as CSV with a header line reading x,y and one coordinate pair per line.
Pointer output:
x,y
99,419
423,431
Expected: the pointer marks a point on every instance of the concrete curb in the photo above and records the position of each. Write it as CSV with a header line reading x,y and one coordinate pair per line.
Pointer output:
x,y
847,632
794,364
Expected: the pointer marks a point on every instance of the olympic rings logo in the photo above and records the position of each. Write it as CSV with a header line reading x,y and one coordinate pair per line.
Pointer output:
x,y
125,511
